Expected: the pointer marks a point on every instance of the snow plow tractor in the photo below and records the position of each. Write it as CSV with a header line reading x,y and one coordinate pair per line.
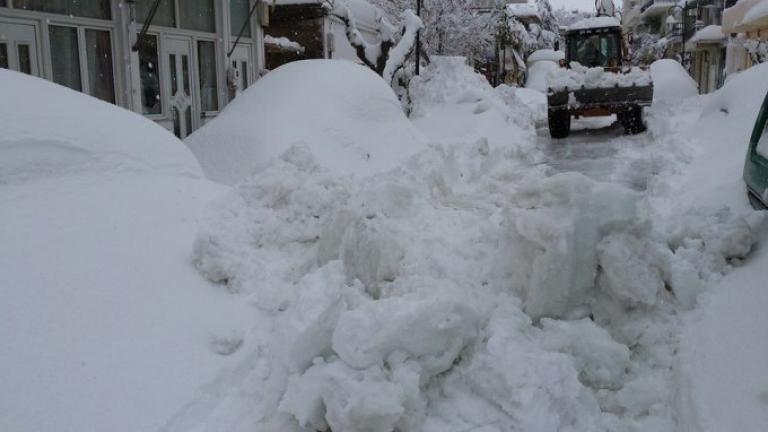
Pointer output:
x,y
595,79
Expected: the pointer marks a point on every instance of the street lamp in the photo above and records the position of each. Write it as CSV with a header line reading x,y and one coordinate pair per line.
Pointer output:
x,y
682,29
418,38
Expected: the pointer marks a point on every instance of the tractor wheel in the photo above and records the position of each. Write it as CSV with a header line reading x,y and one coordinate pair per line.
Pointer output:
x,y
559,123
633,120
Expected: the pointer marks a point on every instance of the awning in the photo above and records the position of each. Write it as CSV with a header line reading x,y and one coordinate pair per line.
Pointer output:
x,y
746,16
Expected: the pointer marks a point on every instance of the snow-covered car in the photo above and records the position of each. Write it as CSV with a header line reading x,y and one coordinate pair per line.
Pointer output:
x,y
756,165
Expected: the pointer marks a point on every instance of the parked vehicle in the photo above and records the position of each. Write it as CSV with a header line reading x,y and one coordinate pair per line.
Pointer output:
x,y
756,166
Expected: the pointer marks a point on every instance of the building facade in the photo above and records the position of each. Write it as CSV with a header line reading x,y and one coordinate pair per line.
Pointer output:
x,y
180,73
746,24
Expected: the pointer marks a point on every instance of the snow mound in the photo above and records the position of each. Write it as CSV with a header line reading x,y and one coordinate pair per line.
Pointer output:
x,y
48,135
347,117
671,81
741,96
103,316
595,22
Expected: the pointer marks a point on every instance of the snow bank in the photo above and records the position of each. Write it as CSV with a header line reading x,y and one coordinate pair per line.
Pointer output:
x,y
671,81
546,55
106,325
343,113
719,371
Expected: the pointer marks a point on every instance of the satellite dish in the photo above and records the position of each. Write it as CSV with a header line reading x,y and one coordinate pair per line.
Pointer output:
x,y
605,8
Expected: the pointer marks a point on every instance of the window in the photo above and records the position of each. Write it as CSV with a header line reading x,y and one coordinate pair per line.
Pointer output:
x,y
82,8
101,80
238,12
244,75
25,62
3,3
165,15
3,56
198,15
65,58
149,71
762,144
206,54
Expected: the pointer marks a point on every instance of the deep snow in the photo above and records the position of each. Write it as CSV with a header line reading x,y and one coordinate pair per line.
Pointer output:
x,y
104,322
476,280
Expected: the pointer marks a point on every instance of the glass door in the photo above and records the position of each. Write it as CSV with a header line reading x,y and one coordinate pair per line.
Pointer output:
x,y
180,103
18,48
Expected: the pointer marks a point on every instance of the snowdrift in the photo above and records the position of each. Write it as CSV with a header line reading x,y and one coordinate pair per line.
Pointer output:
x,y
348,117
105,323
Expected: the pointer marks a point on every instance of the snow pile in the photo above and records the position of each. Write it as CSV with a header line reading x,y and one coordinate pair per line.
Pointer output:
x,y
671,81
543,65
579,76
709,34
103,315
453,103
341,111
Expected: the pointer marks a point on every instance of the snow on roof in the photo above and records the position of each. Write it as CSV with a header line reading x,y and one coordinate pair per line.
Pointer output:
x,y
362,10
345,116
595,22
758,14
709,34
546,55
523,9
283,43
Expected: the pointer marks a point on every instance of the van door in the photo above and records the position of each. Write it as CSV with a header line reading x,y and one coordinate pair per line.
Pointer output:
x,y
18,48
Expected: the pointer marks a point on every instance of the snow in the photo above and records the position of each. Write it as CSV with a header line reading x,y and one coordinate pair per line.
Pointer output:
x,y
755,14
595,22
527,8
353,125
540,73
579,76
284,43
709,34
463,276
671,82
103,316
546,54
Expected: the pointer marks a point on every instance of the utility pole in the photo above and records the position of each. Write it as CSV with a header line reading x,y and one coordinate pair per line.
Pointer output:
x,y
418,38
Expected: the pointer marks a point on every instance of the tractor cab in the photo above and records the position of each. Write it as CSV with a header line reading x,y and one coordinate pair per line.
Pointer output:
x,y
595,47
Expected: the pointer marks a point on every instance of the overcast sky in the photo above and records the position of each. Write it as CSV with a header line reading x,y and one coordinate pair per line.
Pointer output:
x,y
587,5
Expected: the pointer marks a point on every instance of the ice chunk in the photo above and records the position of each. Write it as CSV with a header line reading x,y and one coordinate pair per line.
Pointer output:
x,y
600,360
433,332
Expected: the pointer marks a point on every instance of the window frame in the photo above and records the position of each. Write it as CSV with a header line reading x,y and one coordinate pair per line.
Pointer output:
x,y
217,10
83,55
113,13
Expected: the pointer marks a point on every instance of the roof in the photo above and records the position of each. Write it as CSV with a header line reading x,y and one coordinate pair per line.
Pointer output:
x,y
746,16
595,22
523,9
711,34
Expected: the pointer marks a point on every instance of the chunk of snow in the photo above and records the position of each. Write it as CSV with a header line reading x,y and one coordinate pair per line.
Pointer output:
x,y
351,125
546,55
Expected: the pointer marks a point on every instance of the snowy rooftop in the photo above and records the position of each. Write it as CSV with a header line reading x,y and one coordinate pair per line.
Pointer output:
x,y
595,22
709,34
524,9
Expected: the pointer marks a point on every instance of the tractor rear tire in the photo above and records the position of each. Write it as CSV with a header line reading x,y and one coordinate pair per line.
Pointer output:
x,y
559,123
633,120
